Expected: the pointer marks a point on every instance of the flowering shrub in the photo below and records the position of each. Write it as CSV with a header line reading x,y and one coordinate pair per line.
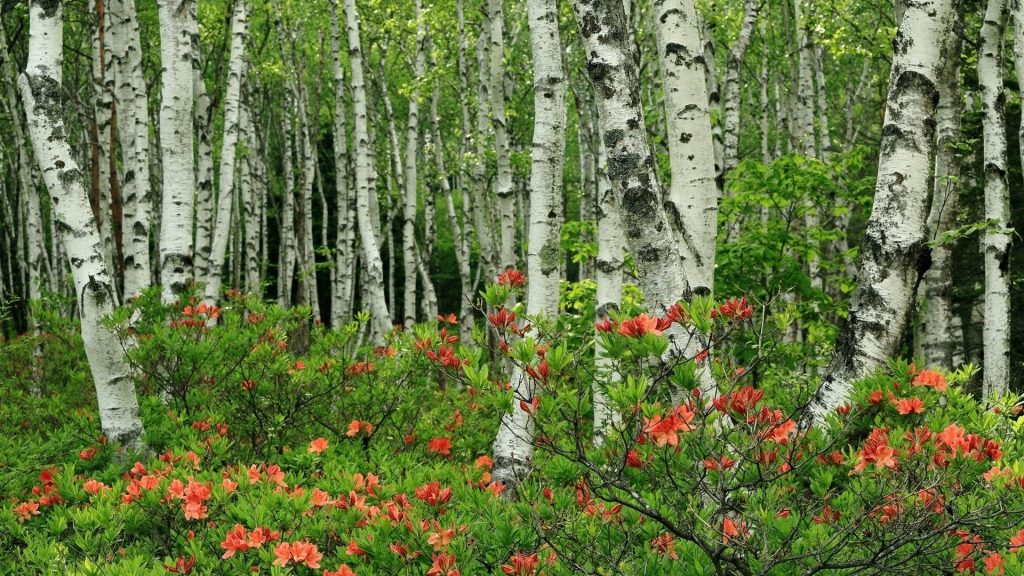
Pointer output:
x,y
281,451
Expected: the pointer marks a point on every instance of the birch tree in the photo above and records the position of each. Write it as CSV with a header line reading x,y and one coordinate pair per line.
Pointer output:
x,y
176,144
342,275
41,92
412,137
893,251
936,334
996,241
133,134
503,185
732,85
215,266
692,197
513,447
373,281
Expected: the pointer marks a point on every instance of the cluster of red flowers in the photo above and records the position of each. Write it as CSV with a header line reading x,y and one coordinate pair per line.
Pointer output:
x,y
504,320
355,426
357,368
735,309
195,495
298,553
445,353
196,316
644,324
665,430
512,278
521,564
238,539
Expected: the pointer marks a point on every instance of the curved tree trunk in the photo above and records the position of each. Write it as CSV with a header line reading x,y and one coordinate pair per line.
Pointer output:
x,y
176,142
893,252
513,446
41,92
996,242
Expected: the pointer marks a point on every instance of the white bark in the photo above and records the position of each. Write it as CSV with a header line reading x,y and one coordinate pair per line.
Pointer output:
x,y
996,242
204,193
373,282
41,92
893,252
225,195
732,85
342,275
937,336
692,198
805,83
650,233
103,114
412,137
133,133
503,185
250,197
287,243
611,255
513,446
176,142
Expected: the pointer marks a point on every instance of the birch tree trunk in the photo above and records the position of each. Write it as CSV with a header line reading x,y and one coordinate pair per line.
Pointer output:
x,y
732,85
893,252
503,186
373,282
133,133
109,211
236,70
651,234
287,256
692,197
996,242
412,137
204,203
513,446
342,275
42,94
176,144
611,257
936,333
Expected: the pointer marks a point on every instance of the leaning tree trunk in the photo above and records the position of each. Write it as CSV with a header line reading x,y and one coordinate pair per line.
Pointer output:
x,y
176,143
373,282
650,233
219,246
893,253
996,242
692,197
938,339
42,94
513,446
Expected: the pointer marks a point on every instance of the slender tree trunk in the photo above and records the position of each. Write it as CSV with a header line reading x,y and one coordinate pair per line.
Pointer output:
x,y
42,94
342,275
893,252
484,220
692,197
936,334
108,215
513,446
236,70
204,204
176,143
503,185
707,35
732,85
287,256
611,255
133,133
249,199
412,137
373,282
996,242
